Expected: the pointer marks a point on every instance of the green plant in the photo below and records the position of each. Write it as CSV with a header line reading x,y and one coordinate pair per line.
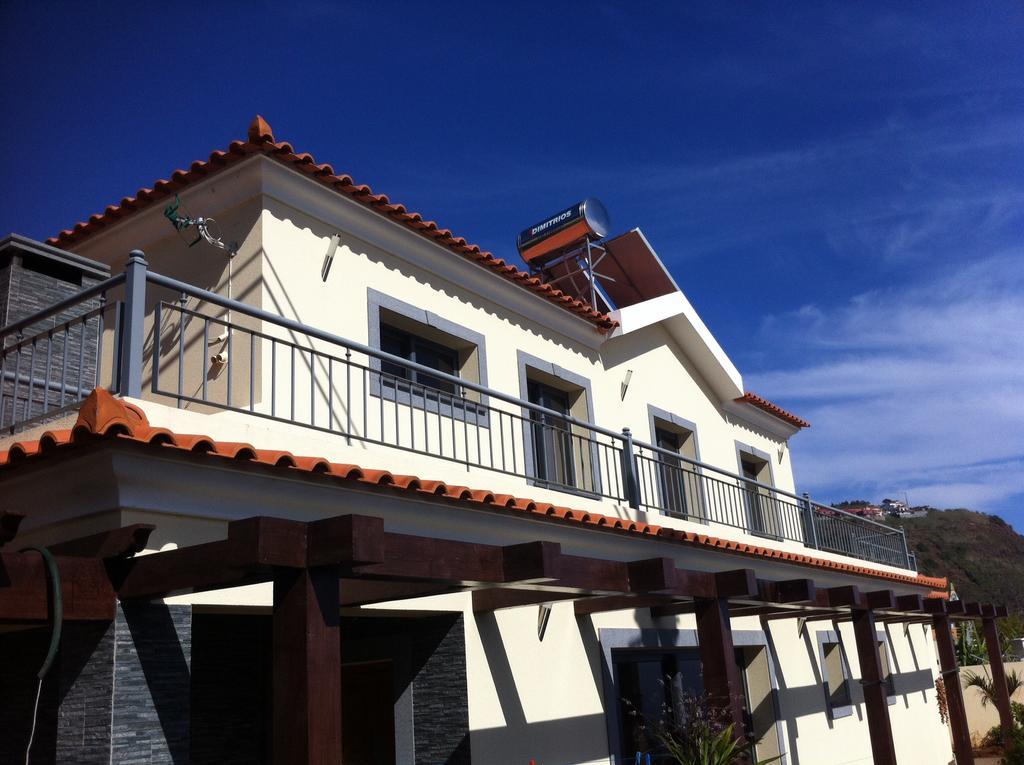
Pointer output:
x,y
1017,710
719,748
1013,754
987,688
970,645
694,731
994,737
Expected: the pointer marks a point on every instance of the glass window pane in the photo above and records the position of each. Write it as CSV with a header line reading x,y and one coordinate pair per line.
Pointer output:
x,y
552,439
647,682
835,673
398,342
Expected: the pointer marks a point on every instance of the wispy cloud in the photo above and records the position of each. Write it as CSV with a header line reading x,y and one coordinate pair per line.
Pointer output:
x,y
894,191
914,388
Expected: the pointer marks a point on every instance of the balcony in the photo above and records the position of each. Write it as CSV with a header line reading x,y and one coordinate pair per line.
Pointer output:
x,y
144,333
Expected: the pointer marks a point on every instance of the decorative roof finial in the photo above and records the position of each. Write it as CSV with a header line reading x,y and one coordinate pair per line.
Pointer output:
x,y
259,130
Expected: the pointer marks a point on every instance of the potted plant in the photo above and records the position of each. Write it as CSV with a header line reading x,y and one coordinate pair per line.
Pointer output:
x,y
694,731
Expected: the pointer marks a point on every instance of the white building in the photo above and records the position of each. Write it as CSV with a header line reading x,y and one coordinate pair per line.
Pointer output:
x,y
520,563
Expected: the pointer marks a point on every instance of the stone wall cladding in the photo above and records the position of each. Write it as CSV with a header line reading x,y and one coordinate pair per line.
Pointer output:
x,y
74,708
440,698
86,688
152,679
26,291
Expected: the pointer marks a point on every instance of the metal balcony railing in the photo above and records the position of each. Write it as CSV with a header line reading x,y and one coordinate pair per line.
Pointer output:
x,y
281,369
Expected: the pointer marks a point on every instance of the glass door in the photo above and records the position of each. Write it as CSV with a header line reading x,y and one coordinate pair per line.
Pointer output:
x,y
552,438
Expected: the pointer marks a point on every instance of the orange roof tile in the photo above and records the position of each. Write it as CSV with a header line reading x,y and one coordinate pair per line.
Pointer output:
x,y
261,141
104,416
774,409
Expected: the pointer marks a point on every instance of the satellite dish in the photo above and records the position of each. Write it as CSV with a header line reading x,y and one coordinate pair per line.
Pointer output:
x,y
192,230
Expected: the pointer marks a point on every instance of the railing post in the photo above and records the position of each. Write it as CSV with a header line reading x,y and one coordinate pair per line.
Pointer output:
x,y
629,476
132,329
809,510
906,550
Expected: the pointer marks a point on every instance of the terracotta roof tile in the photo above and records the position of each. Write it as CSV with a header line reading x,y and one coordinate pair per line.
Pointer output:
x,y
103,416
774,409
261,141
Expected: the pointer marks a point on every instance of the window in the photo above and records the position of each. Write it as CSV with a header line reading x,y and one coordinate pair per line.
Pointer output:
x,y
399,342
760,505
552,439
648,683
651,682
679,482
836,676
558,453
759,698
887,676
409,332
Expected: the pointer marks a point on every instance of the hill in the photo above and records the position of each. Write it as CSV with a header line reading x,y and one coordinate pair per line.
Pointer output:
x,y
981,554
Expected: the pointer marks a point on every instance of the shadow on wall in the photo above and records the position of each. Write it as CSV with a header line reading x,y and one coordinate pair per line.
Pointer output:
x,y
567,739
796,702
157,644
351,246
75,694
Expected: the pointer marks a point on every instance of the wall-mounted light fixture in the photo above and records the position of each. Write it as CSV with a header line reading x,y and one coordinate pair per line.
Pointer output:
x,y
625,382
332,248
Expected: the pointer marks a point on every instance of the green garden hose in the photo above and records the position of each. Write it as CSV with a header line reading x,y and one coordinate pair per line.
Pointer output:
x,y
53,574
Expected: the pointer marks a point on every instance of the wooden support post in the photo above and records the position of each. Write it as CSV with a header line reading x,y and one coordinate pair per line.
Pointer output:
x,y
951,680
995,659
306,667
876,695
718,660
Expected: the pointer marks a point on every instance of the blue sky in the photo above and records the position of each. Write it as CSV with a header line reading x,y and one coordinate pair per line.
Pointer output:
x,y
837,187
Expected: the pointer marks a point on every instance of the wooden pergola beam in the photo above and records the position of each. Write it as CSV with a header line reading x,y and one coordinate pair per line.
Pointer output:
x,y
651,583
788,591
498,598
738,583
848,596
902,619
364,592
880,599
741,584
194,568
115,543
24,589
910,603
972,609
255,547
531,562
652,575
588,606
778,597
